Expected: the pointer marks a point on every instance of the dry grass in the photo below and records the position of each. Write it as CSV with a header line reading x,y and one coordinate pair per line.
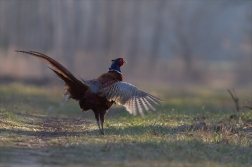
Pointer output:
x,y
36,131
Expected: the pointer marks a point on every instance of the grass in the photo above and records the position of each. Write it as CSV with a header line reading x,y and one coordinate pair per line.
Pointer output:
x,y
190,129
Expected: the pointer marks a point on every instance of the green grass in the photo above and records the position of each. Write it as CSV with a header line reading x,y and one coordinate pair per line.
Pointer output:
x,y
190,129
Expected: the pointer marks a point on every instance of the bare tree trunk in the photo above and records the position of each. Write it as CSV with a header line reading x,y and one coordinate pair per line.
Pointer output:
x,y
91,44
107,34
119,28
157,34
69,43
58,27
133,50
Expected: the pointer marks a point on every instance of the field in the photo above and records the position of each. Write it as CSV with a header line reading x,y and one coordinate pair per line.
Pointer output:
x,y
199,127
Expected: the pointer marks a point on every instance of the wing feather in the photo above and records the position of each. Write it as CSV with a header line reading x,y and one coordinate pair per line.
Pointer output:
x,y
144,104
134,100
140,107
134,106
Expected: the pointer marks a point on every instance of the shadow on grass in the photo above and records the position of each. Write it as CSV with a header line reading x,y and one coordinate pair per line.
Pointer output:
x,y
75,141
57,126
185,153
65,126
40,133
60,128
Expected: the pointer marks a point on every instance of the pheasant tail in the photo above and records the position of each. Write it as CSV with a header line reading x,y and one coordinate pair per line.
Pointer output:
x,y
74,87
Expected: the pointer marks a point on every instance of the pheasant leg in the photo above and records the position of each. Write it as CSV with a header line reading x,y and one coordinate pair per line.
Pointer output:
x,y
102,130
99,126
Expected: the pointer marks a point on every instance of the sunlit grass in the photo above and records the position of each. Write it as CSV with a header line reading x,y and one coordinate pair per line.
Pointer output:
x,y
188,130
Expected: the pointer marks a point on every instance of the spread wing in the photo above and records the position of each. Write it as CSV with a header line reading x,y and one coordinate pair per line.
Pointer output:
x,y
133,99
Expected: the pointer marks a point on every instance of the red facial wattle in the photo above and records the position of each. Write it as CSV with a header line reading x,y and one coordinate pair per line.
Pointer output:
x,y
121,62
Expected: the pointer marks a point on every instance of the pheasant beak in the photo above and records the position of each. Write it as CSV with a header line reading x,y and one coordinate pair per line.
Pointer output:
x,y
124,61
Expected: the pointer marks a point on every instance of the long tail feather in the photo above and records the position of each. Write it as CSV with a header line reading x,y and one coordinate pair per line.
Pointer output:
x,y
74,87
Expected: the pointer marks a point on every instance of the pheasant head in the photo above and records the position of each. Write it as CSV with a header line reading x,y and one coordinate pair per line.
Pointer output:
x,y
116,64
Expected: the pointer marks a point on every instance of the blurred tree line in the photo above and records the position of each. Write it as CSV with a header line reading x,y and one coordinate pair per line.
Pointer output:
x,y
147,33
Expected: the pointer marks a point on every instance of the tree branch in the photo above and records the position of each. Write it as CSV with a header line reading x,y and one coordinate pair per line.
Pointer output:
x,y
249,107
235,99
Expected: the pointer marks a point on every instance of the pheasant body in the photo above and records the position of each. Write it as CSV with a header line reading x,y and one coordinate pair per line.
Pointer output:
x,y
101,93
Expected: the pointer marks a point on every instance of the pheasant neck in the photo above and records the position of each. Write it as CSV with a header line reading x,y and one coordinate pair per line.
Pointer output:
x,y
116,68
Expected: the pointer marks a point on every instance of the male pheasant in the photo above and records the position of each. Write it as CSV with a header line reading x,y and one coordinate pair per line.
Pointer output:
x,y
99,94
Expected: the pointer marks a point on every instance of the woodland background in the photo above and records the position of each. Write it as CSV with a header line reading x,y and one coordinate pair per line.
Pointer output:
x,y
164,41
186,52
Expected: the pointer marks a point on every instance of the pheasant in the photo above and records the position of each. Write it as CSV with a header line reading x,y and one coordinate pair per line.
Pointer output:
x,y
101,93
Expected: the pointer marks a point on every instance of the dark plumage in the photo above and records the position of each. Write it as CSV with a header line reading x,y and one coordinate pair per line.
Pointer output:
x,y
99,94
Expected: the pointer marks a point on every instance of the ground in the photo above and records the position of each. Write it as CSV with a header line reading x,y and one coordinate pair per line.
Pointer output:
x,y
197,128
